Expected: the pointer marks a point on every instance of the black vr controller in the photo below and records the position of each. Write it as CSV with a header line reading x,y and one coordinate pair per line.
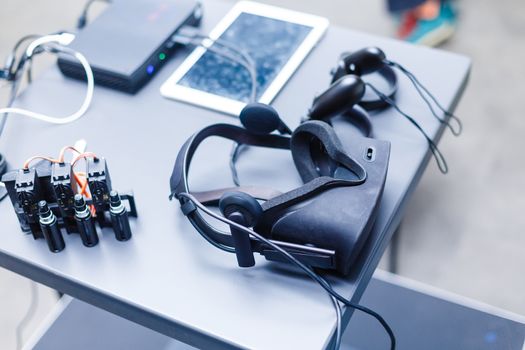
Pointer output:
x,y
346,175
373,60
370,64
351,84
342,99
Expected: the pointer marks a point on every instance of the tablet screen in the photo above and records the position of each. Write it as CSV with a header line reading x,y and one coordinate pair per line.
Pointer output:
x,y
269,42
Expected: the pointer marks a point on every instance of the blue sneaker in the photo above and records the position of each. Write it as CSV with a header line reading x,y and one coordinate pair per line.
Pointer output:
x,y
435,31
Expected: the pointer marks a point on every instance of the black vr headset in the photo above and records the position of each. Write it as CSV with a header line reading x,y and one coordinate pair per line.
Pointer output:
x,y
323,223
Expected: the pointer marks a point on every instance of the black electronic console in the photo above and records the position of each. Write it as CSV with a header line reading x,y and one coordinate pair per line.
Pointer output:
x,y
51,196
130,41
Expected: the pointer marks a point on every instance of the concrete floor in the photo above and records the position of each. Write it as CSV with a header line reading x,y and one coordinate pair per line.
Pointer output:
x,y
464,231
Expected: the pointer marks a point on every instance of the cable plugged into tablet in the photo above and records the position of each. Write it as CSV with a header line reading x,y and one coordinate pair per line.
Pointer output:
x,y
188,35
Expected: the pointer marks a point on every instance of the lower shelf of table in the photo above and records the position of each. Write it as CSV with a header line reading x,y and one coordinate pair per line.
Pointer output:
x,y
421,316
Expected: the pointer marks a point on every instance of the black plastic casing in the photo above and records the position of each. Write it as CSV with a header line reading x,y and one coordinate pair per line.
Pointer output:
x,y
64,189
26,187
120,223
55,184
87,230
127,38
53,236
99,183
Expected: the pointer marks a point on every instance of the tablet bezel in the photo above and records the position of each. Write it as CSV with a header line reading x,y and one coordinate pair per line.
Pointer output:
x,y
171,88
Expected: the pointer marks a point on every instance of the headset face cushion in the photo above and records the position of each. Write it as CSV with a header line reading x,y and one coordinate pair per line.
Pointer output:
x,y
317,151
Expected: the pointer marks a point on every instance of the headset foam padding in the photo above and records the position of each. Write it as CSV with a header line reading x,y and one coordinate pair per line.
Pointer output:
x,y
313,134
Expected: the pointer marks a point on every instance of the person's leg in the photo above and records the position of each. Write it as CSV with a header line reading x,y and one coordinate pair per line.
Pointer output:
x,y
396,6
427,22
428,10
435,24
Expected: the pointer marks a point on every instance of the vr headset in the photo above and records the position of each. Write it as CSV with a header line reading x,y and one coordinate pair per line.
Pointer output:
x,y
324,223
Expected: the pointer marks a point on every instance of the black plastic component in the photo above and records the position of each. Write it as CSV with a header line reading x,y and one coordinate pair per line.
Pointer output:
x,y
119,217
338,98
3,170
364,61
64,189
243,203
244,210
85,224
56,185
262,119
3,165
241,241
49,226
27,188
124,64
99,183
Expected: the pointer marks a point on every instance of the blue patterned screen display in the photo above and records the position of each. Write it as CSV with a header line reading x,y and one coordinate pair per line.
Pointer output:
x,y
269,42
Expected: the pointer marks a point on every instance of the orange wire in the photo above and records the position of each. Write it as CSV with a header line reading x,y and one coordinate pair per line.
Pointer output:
x,y
83,156
82,183
63,151
83,191
49,159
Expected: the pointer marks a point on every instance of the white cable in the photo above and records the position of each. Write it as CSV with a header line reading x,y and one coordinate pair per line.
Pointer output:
x,y
62,39
83,108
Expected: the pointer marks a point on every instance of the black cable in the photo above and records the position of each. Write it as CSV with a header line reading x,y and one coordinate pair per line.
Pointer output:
x,y
322,282
12,66
3,170
22,39
236,151
17,45
12,96
440,159
14,70
29,73
248,64
3,165
209,239
15,66
338,312
420,89
82,19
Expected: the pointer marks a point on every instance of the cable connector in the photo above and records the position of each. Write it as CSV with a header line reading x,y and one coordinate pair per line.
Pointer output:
x,y
185,35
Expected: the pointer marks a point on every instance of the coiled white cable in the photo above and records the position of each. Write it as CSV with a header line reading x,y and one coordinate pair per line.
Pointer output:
x,y
61,39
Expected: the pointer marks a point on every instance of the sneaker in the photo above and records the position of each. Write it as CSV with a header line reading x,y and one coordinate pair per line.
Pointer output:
x,y
406,24
435,31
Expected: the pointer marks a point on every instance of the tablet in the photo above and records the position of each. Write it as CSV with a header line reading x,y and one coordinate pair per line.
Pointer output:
x,y
276,40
